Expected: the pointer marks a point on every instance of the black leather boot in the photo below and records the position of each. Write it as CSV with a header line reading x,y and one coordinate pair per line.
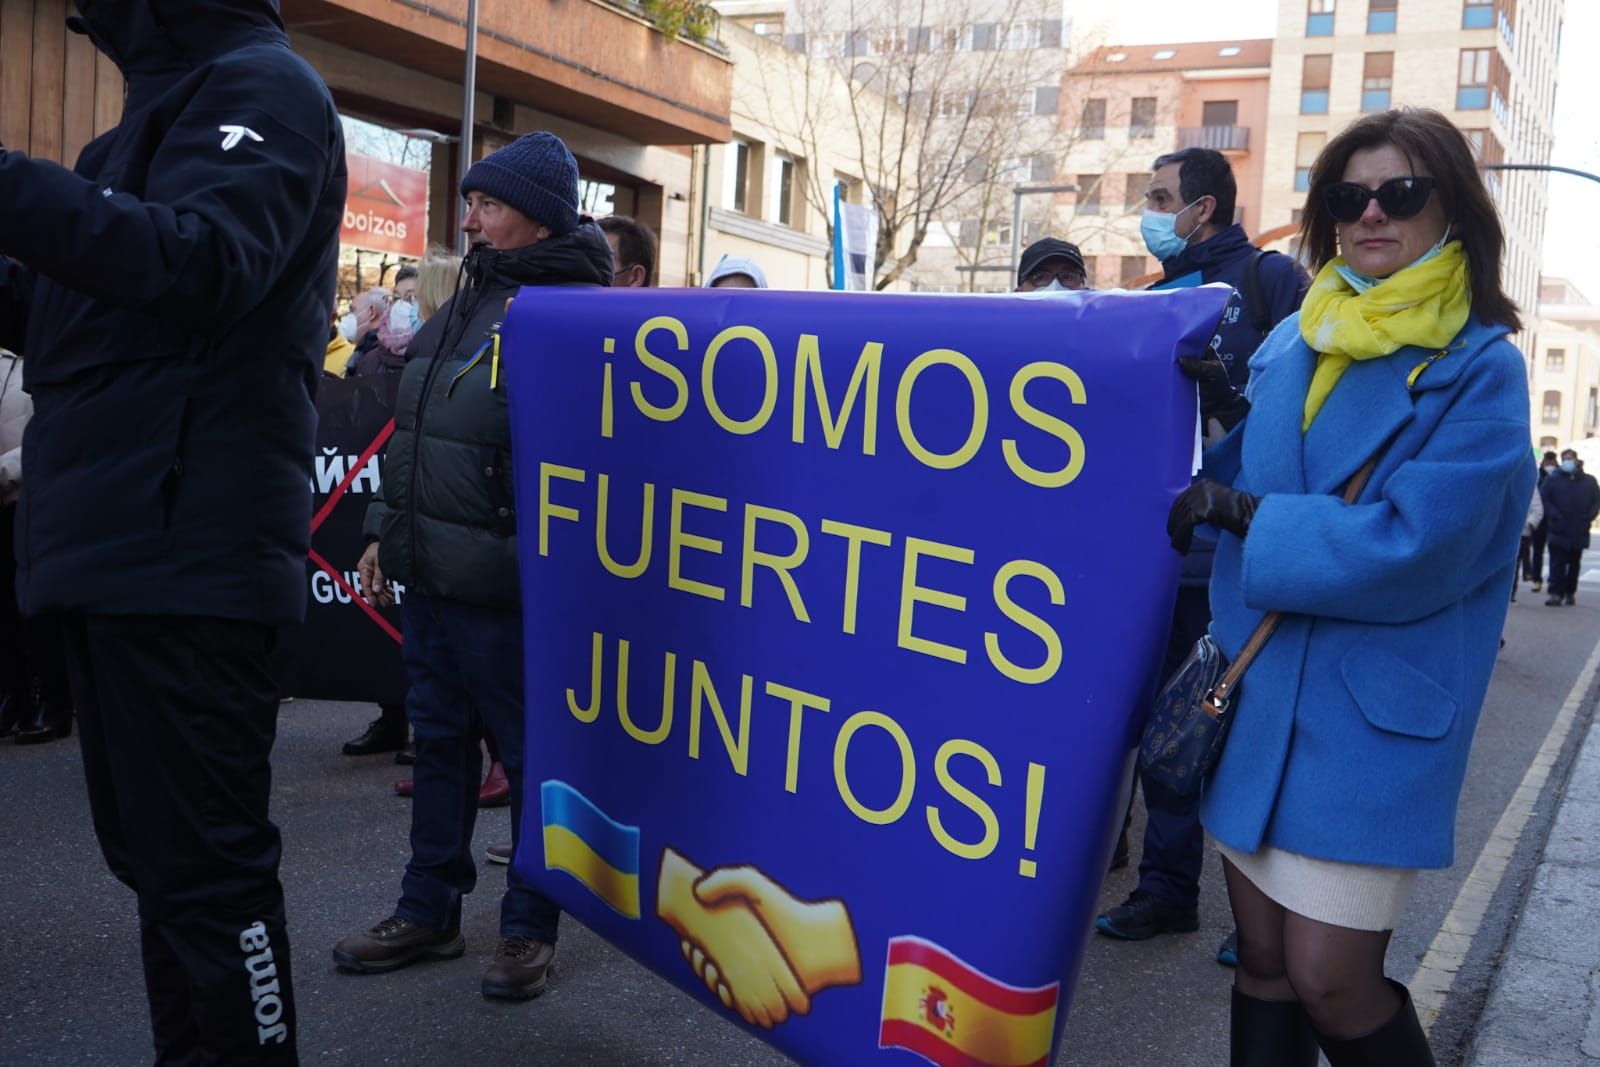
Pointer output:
x,y
1270,1033
1399,1042
10,713
44,720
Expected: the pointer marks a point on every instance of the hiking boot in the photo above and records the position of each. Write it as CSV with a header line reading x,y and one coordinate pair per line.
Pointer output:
x,y
1143,916
1538,586
520,970
1552,602
1570,600
394,943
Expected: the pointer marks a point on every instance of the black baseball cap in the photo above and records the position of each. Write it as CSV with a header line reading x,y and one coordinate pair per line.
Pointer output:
x,y
1048,248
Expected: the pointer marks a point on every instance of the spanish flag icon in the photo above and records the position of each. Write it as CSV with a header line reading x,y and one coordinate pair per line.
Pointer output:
x,y
954,1015
591,846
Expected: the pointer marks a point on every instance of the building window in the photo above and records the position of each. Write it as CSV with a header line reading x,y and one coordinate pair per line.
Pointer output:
x,y
1089,194
1021,34
1547,444
1319,18
1142,119
736,176
1133,195
788,186
1472,86
1306,150
1552,407
835,45
1381,15
1477,14
1045,100
952,105
1216,113
1377,80
1130,268
1555,359
1315,76
888,42
1093,125
768,28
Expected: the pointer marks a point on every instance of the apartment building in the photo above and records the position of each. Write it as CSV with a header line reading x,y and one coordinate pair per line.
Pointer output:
x,y
1130,104
1564,386
769,188
1489,65
629,101
980,85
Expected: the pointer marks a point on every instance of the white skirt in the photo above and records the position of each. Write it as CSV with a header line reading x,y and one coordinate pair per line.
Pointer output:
x,y
1351,895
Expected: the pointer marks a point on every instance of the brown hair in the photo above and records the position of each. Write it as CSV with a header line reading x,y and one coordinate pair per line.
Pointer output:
x,y
1433,143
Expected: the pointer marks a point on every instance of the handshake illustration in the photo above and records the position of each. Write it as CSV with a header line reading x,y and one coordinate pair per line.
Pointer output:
x,y
761,950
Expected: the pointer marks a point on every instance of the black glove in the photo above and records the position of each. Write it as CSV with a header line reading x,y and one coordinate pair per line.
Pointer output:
x,y
1219,400
1209,502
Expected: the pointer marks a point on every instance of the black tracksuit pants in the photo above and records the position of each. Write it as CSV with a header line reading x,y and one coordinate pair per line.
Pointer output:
x,y
177,716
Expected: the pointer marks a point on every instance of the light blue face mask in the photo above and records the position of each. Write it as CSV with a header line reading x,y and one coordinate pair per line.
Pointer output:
x,y
1362,282
1570,466
1160,232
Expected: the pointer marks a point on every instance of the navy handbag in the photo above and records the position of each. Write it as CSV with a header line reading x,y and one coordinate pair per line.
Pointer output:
x,y
1188,724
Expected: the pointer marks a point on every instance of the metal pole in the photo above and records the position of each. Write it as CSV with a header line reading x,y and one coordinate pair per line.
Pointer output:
x,y
1017,194
469,95
1539,166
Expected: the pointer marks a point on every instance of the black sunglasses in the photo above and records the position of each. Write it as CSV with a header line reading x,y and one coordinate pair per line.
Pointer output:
x,y
1400,198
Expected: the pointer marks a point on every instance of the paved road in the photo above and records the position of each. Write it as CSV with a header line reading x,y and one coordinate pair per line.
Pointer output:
x,y
70,988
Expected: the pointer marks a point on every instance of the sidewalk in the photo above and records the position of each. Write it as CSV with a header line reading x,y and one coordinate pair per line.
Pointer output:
x,y
1544,1006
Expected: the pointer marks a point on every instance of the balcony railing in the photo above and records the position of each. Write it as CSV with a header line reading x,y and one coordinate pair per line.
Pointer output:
x,y
1219,138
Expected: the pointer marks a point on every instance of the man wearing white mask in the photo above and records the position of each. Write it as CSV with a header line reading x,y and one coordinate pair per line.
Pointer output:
x,y
1188,225
1051,263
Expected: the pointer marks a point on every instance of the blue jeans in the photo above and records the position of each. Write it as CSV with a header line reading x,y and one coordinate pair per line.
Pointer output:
x,y
464,664
1174,842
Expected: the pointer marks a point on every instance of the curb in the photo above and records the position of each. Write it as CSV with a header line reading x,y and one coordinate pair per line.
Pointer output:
x,y
1543,1008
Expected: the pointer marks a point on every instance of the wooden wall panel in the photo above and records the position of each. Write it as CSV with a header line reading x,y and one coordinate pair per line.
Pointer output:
x,y
77,125
57,92
49,77
16,71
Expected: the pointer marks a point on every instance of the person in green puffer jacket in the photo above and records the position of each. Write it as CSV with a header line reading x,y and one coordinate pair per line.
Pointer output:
x,y
445,529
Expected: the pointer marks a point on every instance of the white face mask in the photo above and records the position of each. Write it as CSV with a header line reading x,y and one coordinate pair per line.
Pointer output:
x,y
1054,286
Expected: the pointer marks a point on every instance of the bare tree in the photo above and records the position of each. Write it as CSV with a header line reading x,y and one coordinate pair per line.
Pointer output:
x,y
939,116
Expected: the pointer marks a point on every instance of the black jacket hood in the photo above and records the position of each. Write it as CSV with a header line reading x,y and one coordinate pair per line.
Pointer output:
x,y
155,37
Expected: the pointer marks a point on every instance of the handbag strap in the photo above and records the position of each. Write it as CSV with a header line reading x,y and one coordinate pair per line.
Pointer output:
x,y
1217,701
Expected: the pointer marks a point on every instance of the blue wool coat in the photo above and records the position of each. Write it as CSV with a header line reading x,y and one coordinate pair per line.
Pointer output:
x,y
1351,734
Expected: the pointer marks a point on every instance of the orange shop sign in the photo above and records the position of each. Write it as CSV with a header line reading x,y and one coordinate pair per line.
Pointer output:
x,y
386,209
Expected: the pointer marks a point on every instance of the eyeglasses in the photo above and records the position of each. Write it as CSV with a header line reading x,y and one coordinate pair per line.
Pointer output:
x,y
1070,277
1400,198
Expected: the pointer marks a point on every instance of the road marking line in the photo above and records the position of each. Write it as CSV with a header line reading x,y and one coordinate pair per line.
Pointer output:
x,y
1448,951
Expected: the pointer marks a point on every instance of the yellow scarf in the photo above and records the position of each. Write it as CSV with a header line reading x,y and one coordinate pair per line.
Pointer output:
x,y
1425,304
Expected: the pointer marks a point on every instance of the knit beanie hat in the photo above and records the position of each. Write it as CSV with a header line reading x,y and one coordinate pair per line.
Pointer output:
x,y
534,174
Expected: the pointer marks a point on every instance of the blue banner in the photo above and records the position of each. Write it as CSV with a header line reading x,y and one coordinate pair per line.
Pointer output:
x,y
841,610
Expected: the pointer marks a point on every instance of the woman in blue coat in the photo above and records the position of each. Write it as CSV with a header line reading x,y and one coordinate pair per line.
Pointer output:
x,y
1350,739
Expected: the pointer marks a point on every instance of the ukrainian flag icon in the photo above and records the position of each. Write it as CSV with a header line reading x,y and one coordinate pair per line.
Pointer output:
x,y
591,846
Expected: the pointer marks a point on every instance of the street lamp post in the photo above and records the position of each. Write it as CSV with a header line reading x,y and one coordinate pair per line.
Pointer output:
x,y
468,100
1017,193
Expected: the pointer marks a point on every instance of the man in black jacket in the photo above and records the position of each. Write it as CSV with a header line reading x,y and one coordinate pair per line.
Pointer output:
x,y
1571,504
171,297
446,530
1188,225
